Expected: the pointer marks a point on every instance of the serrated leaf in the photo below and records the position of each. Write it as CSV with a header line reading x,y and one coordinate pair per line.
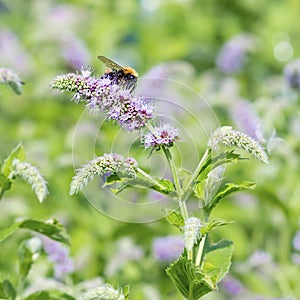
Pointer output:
x,y
49,295
175,218
217,260
189,279
54,230
229,189
207,227
17,153
7,290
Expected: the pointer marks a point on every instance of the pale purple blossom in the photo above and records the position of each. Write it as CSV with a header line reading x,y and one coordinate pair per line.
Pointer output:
x,y
104,95
247,120
232,56
232,285
164,135
168,248
74,52
296,241
260,257
59,256
12,53
292,73
296,258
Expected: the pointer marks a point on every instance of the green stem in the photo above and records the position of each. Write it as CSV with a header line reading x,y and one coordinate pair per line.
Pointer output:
x,y
150,179
177,184
200,251
2,191
196,172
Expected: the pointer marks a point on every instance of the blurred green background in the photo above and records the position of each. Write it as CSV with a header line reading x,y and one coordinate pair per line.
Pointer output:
x,y
42,39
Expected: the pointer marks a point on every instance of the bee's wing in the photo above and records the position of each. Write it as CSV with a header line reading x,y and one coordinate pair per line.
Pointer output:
x,y
109,63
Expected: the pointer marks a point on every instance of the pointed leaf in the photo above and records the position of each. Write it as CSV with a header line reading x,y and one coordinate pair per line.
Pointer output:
x,y
7,291
189,279
229,189
175,218
28,253
207,227
17,153
217,261
52,229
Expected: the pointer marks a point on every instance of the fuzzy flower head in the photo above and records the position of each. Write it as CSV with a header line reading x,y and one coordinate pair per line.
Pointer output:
x,y
168,248
12,79
228,137
105,292
292,73
105,95
191,233
105,165
32,176
164,135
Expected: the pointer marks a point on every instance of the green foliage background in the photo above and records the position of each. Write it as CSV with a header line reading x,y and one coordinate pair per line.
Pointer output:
x,y
143,34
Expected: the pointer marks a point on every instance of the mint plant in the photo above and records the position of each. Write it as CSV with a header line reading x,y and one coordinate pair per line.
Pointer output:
x,y
202,264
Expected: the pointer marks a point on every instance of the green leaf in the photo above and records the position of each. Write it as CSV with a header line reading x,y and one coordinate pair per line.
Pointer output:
x,y
189,279
199,190
49,295
217,260
16,87
229,189
27,253
5,184
7,290
17,153
53,229
194,281
207,227
126,291
175,218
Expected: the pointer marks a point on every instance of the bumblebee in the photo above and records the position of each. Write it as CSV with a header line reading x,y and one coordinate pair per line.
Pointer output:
x,y
124,76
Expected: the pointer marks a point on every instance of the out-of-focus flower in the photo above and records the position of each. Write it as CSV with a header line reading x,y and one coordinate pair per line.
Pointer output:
x,y
168,248
59,256
232,55
191,232
12,54
232,285
292,73
12,79
103,94
127,251
228,137
105,165
296,258
164,135
105,292
247,120
296,241
260,257
32,176
74,52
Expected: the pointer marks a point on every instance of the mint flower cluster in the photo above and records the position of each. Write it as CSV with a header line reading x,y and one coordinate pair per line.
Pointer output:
x,y
105,165
104,95
32,176
229,137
